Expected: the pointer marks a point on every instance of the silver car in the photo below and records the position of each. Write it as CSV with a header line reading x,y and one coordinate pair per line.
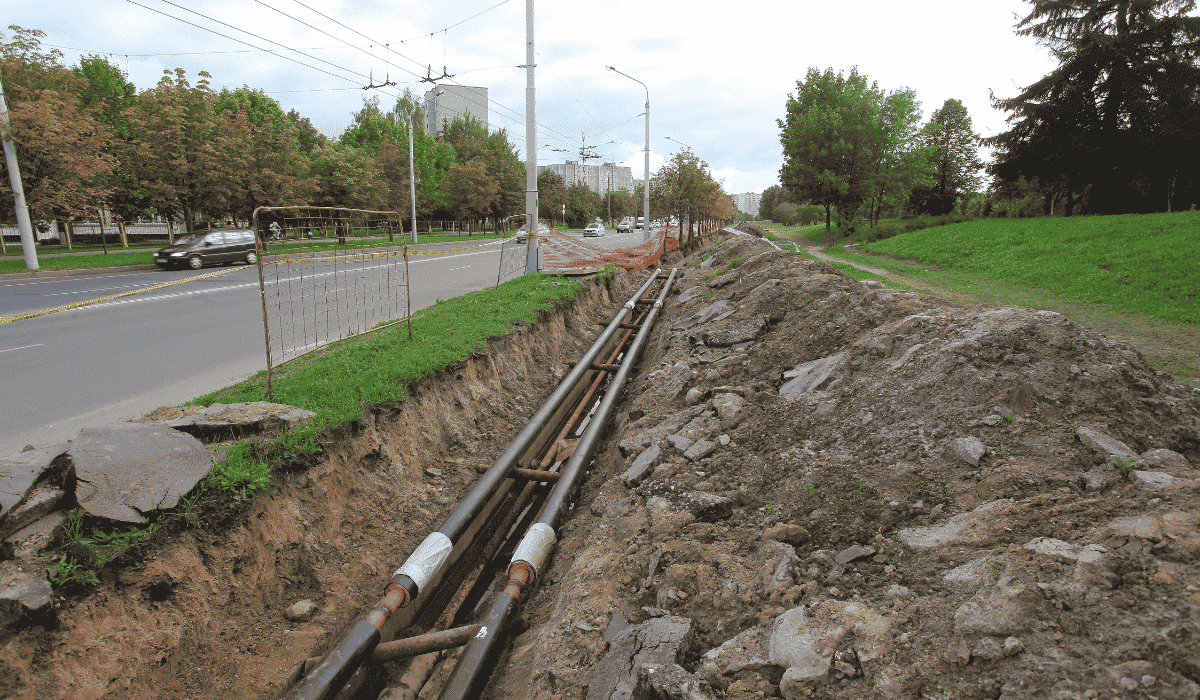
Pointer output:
x,y
594,230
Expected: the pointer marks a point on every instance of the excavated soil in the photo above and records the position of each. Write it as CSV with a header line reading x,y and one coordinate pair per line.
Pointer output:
x,y
933,497
845,492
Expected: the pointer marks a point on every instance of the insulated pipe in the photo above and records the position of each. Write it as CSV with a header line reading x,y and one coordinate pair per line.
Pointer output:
x,y
424,563
534,549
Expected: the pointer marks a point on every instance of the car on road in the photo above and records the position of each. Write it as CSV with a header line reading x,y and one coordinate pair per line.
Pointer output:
x,y
625,225
594,230
641,223
220,247
521,232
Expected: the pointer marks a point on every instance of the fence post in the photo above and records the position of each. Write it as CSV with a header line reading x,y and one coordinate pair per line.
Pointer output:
x,y
170,232
121,228
67,230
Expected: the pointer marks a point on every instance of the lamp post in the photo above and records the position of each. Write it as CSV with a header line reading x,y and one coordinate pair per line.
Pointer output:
x,y
646,181
681,143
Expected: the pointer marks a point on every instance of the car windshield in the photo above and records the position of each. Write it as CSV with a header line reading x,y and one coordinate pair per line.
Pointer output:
x,y
188,239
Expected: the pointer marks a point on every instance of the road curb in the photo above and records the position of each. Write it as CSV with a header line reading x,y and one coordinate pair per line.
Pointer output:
x,y
75,271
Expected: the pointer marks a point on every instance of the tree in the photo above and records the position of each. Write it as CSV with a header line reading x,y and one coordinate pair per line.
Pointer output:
x,y
110,97
950,145
771,198
833,137
62,148
1118,119
347,176
552,195
472,191
274,171
903,163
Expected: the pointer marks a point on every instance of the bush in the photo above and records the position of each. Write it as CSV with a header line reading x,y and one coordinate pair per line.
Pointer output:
x,y
887,229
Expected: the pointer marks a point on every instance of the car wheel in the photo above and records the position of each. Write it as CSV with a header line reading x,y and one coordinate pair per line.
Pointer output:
x,y
195,262
252,258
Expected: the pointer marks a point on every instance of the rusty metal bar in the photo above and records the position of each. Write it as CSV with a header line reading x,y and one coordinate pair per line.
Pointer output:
x,y
434,641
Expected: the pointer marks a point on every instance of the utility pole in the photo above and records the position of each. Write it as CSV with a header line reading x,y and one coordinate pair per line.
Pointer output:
x,y
28,245
531,191
412,173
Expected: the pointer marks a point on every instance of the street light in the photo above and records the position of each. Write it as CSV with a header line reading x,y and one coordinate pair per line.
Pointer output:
x,y
646,181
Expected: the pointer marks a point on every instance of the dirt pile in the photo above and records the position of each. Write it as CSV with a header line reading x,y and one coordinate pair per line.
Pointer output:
x,y
821,488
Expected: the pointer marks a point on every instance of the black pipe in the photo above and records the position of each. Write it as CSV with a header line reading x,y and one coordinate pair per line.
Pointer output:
x,y
338,664
465,677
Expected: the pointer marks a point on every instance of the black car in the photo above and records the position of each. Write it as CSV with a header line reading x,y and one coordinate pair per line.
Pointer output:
x,y
208,248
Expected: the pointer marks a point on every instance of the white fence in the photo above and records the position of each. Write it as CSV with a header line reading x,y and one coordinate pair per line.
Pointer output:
x,y
135,232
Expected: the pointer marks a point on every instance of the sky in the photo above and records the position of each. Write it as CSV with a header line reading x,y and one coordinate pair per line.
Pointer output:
x,y
718,73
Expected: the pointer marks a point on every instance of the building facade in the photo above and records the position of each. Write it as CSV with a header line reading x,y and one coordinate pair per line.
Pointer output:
x,y
601,179
748,202
446,102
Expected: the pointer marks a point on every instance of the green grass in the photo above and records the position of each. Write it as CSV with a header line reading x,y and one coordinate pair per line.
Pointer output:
x,y
338,381
72,262
1143,264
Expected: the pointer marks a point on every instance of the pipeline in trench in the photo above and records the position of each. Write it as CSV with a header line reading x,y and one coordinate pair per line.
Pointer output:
x,y
429,608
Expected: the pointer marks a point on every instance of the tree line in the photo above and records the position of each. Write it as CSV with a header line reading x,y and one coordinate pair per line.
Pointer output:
x,y
1114,129
88,140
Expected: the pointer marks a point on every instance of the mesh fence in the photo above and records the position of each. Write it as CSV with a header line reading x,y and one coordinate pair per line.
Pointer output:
x,y
513,256
327,273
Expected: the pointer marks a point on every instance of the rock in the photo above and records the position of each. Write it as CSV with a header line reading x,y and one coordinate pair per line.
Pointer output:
x,y
786,532
617,625
803,641
1167,461
433,471
748,650
968,449
222,421
708,507
1105,445
853,552
972,528
125,470
702,316
1082,582
1152,480
655,641
24,582
40,501
699,450
700,428
300,611
898,593
689,294
20,473
708,263
969,577
32,539
680,442
723,439
1101,478
637,471
1159,680
781,573
1013,646
724,279
1000,607
694,396
993,419
670,682
811,376
730,408
872,284
740,332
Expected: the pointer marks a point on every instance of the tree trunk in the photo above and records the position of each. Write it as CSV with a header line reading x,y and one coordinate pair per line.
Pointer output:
x,y
826,217
1070,210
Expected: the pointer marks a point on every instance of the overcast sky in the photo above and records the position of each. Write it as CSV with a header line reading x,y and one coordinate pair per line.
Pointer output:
x,y
718,72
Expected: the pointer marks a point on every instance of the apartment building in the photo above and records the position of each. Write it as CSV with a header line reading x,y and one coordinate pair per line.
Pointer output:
x,y
445,102
602,179
748,202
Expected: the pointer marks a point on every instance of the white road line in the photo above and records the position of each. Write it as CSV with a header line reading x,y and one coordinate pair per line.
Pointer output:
x,y
464,267
89,291
24,347
134,300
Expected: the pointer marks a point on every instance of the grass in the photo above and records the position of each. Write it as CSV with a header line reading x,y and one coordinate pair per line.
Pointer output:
x,y
72,262
1143,264
338,381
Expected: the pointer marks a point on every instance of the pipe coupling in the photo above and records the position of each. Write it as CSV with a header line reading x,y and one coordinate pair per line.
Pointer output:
x,y
423,563
535,547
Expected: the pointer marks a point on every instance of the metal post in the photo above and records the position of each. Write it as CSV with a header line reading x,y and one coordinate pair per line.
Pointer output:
x,y
412,180
531,191
646,183
28,245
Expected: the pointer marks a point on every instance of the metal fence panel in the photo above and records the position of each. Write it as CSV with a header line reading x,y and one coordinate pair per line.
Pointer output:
x,y
327,273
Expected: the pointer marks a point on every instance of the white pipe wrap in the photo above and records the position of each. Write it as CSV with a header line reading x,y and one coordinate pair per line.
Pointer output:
x,y
535,546
423,563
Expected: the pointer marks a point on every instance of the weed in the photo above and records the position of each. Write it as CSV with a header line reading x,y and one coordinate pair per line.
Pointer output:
x,y
709,293
1008,416
72,573
808,490
242,473
1123,465
733,262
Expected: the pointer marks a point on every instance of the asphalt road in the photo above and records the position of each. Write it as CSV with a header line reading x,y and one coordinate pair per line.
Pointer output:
x,y
119,359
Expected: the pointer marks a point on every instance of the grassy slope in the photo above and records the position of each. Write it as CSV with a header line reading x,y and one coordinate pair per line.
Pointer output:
x,y
1139,263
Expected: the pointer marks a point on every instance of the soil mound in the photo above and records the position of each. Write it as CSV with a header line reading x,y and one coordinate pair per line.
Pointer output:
x,y
841,491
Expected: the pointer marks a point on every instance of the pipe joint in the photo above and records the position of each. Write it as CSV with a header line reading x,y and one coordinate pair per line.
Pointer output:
x,y
535,547
424,562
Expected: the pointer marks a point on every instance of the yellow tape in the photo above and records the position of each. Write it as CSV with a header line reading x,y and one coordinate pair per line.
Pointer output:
x,y
98,300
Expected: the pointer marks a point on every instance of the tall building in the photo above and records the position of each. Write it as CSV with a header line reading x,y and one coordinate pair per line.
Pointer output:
x,y
598,178
445,102
748,202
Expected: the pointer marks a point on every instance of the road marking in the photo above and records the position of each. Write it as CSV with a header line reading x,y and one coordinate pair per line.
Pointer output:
x,y
86,291
464,267
24,347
